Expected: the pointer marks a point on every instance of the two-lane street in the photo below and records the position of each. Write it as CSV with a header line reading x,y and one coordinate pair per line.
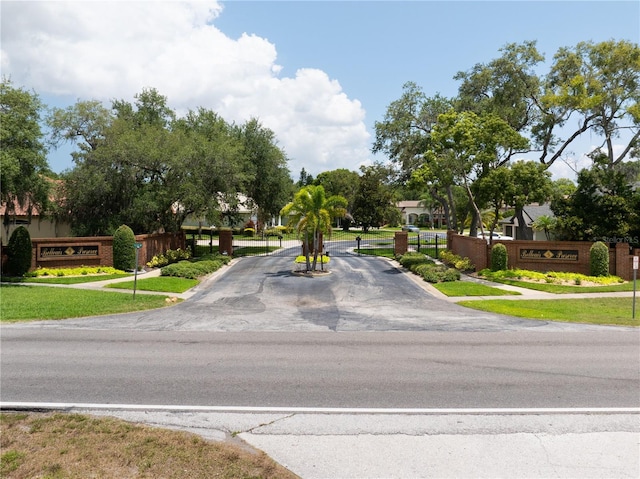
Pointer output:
x,y
391,370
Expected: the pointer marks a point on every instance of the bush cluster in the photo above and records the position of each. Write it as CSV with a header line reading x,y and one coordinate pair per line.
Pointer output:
x,y
548,277
431,272
19,252
193,269
455,261
599,259
78,271
499,257
169,257
249,232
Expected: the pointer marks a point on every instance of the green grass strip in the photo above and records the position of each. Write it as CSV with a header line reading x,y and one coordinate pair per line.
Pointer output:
x,y
384,252
23,303
566,289
610,311
164,284
74,279
466,288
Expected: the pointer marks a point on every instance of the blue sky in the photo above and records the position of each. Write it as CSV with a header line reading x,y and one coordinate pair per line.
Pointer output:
x,y
318,73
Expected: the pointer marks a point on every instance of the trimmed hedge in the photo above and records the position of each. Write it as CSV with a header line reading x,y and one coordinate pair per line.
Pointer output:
x,y
19,252
124,251
194,269
599,259
499,257
431,272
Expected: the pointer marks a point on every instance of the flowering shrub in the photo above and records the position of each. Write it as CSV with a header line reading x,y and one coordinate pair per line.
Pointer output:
x,y
457,262
169,257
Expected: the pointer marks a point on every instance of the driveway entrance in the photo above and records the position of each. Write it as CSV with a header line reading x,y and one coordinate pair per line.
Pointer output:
x,y
264,294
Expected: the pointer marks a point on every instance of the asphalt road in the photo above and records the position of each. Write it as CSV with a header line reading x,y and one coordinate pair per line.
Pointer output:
x,y
400,370
257,342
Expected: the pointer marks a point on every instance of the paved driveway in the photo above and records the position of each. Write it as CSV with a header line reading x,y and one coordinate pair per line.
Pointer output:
x,y
359,294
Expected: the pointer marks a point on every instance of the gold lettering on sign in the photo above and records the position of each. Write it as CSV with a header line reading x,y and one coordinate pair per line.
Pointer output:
x,y
549,254
68,251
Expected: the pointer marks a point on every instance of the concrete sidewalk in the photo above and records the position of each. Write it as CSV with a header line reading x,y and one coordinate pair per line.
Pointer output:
x,y
421,444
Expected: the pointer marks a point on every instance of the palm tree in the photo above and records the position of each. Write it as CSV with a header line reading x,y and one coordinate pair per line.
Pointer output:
x,y
312,212
544,223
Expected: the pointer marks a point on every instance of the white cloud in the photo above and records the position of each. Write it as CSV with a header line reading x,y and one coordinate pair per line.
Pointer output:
x,y
107,50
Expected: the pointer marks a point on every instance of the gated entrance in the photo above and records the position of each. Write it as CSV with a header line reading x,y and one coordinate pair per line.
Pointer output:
x,y
340,243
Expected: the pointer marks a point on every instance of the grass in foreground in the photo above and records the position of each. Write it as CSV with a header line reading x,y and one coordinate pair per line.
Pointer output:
x,y
163,284
30,303
610,311
466,288
78,446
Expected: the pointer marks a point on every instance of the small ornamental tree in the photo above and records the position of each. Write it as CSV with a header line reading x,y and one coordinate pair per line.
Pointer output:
x,y
498,257
599,259
19,252
124,250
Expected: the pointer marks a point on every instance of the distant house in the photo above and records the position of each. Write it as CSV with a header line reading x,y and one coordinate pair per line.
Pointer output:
x,y
37,225
530,213
413,213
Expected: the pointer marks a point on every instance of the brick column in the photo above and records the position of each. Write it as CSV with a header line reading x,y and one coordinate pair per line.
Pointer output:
x,y
225,242
401,243
623,262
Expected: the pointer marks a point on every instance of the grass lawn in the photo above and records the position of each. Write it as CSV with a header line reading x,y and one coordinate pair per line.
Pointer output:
x,y
615,311
385,252
23,303
466,288
73,445
74,279
565,289
164,284
253,250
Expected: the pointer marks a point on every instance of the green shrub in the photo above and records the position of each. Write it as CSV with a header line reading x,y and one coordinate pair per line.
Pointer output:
x,y
169,257
19,252
194,269
409,259
599,259
249,232
499,257
433,273
455,261
124,251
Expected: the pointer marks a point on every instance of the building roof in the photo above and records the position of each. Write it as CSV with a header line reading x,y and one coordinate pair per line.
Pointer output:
x,y
532,212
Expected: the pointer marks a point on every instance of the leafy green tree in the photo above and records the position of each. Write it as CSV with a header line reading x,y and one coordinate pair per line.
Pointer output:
x,y
84,123
305,179
341,182
23,163
373,198
562,187
604,205
469,146
268,183
404,133
593,87
313,213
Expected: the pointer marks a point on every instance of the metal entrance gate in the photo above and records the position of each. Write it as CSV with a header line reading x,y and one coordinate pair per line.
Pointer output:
x,y
340,243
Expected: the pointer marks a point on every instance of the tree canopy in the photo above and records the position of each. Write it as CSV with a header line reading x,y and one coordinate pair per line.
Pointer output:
x,y
23,162
140,164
